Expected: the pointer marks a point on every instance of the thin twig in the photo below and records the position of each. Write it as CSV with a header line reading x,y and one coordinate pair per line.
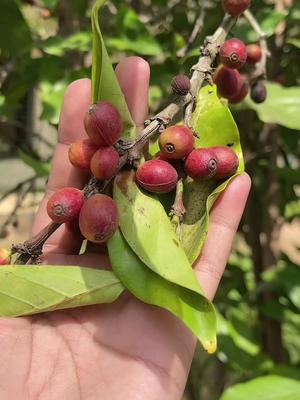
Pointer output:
x,y
195,32
260,70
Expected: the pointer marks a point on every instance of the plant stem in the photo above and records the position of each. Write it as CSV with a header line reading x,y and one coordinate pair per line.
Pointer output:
x,y
260,71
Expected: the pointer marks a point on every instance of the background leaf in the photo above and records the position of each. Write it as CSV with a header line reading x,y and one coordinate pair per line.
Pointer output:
x,y
150,288
214,123
281,106
40,168
104,82
26,290
270,387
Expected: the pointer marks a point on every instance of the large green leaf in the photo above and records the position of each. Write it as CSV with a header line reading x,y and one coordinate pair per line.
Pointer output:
x,y
281,106
149,287
214,123
26,290
105,85
148,230
270,387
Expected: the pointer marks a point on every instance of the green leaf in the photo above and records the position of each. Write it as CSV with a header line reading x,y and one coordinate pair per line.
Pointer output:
x,y
26,290
270,387
52,97
281,106
41,168
148,230
57,46
213,121
133,35
150,288
105,85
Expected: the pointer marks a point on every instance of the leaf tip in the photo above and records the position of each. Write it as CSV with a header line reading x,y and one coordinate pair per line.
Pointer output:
x,y
210,346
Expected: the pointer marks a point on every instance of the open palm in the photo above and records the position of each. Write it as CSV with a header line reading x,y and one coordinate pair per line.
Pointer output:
x,y
124,350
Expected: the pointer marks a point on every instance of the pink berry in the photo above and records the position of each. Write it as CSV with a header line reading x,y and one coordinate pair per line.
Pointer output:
x,y
103,123
227,161
235,7
104,163
233,53
157,176
176,142
201,164
254,53
4,256
81,153
99,218
244,89
228,81
65,204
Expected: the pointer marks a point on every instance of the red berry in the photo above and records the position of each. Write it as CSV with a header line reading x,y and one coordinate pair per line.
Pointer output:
x,y
103,123
4,257
201,164
104,163
99,218
157,176
176,142
227,161
258,92
65,204
228,81
235,7
233,53
254,53
81,153
242,92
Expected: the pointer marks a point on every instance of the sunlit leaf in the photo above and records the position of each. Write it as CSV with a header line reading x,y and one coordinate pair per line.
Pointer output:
x,y
270,387
26,290
149,287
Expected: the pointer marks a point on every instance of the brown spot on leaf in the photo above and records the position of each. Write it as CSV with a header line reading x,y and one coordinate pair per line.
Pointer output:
x,y
123,180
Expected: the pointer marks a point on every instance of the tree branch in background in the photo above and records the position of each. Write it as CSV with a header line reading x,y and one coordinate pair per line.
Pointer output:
x,y
195,32
260,71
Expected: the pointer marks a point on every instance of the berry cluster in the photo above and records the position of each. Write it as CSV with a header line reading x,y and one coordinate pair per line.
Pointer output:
x,y
178,156
98,215
233,85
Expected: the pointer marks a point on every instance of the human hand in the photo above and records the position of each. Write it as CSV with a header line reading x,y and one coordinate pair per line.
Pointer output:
x,y
124,350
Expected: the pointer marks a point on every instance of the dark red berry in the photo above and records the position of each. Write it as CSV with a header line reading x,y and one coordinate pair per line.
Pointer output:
x,y
201,164
240,96
254,53
233,53
157,176
228,81
103,123
4,256
104,163
99,218
258,92
227,161
81,153
235,7
65,204
176,142
181,85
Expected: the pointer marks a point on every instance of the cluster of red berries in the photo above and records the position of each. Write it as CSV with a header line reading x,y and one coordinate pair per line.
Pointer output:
x,y
98,215
230,82
178,156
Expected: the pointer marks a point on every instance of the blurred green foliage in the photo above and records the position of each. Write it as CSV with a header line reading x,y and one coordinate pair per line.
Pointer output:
x,y
47,44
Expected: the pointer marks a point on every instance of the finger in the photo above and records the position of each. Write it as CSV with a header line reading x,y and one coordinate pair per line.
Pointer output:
x,y
223,224
133,75
88,260
77,99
